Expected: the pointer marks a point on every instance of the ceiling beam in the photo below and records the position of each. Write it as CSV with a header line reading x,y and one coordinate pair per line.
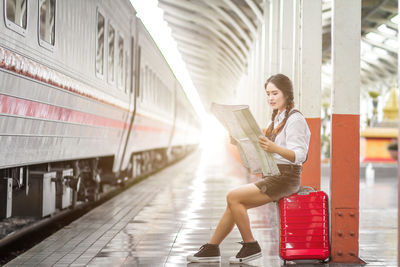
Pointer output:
x,y
383,21
383,34
221,53
232,22
256,10
237,56
226,51
204,17
242,16
378,44
390,8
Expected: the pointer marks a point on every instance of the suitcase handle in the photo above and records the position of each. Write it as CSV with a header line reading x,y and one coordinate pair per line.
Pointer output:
x,y
305,190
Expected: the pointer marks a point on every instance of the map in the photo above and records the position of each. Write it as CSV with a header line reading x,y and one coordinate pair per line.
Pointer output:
x,y
244,130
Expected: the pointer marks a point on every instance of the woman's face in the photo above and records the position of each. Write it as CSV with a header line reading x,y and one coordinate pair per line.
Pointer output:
x,y
276,98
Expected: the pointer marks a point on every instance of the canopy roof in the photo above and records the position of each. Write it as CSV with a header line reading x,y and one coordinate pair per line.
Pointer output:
x,y
214,38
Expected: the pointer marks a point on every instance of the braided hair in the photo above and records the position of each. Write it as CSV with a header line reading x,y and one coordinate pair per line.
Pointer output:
x,y
284,84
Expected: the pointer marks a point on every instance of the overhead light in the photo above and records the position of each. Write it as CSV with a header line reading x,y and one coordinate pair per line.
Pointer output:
x,y
365,47
370,56
379,51
395,19
374,37
385,29
364,64
391,43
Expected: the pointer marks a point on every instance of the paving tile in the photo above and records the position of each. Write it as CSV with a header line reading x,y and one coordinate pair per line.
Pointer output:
x,y
161,220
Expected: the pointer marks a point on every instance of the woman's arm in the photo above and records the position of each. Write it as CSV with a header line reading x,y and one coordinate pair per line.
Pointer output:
x,y
271,147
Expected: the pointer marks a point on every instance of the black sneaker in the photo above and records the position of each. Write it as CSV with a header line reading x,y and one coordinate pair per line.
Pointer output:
x,y
206,253
249,251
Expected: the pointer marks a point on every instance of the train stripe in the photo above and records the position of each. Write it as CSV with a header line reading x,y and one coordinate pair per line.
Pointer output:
x,y
20,65
26,108
22,107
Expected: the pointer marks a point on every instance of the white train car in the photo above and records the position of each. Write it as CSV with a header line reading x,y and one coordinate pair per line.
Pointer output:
x,y
86,98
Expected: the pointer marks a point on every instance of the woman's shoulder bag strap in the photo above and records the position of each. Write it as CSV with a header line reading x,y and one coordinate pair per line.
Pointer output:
x,y
292,112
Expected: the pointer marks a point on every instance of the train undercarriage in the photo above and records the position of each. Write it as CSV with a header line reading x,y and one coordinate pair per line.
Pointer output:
x,y
31,193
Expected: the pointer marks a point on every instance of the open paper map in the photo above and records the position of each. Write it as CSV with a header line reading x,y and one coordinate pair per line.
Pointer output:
x,y
243,128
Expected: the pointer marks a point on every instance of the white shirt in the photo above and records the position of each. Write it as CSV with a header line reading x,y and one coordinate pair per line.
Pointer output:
x,y
294,136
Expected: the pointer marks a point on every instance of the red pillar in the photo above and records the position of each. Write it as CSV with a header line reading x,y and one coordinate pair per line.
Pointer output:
x,y
345,173
311,173
345,131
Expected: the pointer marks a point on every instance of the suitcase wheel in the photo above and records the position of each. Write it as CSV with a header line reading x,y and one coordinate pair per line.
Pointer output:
x,y
326,260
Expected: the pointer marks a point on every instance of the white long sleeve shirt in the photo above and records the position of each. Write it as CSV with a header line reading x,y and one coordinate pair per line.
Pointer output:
x,y
294,136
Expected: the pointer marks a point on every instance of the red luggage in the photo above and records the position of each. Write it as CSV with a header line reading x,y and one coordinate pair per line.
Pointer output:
x,y
304,229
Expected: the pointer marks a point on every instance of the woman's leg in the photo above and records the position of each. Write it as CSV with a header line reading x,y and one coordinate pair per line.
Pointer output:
x,y
239,201
224,227
247,196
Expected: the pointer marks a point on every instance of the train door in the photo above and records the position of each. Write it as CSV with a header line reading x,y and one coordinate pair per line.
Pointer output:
x,y
133,79
126,152
170,143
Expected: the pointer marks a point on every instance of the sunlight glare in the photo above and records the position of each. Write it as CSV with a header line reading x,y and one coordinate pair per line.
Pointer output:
x,y
152,17
213,134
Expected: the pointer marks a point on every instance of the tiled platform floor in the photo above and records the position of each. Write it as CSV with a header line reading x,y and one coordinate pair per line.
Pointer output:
x,y
171,214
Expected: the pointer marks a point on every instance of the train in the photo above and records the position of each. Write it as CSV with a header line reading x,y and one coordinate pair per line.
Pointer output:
x,y
87,100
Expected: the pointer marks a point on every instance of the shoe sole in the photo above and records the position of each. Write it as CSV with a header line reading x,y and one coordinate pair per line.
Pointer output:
x,y
204,259
249,258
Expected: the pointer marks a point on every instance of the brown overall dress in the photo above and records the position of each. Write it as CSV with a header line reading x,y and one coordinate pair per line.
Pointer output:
x,y
285,184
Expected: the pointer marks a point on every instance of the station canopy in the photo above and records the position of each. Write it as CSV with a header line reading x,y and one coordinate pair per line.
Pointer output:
x,y
215,37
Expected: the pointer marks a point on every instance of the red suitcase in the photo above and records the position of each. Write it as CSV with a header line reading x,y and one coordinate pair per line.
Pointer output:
x,y
304,229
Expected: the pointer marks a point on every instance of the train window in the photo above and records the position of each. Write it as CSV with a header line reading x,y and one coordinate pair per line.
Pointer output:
x,y
154,87
156,90
138,71
158,93
16,15
100,45
151,86
145,89
111,55
47,13
127,73
121,62
161,94
143,82
130,69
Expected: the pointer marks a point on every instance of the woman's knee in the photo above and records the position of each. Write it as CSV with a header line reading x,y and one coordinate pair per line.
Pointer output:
x,y
230,198
233,197
248,195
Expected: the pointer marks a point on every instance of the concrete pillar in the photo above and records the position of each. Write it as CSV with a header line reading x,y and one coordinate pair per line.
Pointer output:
x,y
266,56
345,142
286,37
274,39
296,51
398,142
259,76
266,38
253,78
310,86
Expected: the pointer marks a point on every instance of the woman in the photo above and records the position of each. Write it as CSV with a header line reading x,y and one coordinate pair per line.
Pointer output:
x,y
287,137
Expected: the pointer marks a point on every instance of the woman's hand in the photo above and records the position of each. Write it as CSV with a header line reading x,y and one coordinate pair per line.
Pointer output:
x,y
271,147
267,144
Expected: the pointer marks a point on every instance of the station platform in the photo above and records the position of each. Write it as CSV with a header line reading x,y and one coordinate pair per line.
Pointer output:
x,y
161,220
